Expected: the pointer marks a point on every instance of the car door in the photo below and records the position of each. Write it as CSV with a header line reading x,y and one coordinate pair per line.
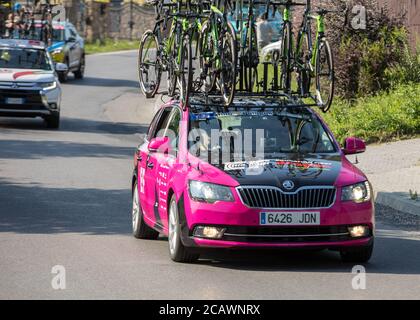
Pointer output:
x,y
72,47
148,172
166,164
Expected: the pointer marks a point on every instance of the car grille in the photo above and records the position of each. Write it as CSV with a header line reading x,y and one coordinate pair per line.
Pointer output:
x,y
31,97
274,198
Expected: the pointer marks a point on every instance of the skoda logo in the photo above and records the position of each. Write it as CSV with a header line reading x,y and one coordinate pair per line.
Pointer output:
x,y
288,185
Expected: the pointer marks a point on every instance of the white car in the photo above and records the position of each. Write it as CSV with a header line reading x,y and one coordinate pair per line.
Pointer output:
x,y
29,86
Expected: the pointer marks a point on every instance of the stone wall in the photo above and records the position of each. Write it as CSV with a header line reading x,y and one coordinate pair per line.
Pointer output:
x,y
120,17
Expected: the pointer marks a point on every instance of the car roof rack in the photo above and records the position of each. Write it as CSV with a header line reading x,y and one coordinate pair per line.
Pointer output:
x,y
248,101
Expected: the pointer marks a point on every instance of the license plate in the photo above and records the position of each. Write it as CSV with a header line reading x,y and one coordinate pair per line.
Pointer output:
x,y
290,218
14,101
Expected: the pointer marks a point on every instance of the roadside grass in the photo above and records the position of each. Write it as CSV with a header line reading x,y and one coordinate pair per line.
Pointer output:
x,y
111,45
385,117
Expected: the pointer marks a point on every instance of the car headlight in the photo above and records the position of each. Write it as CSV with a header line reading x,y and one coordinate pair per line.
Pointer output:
x,y
209,192
358,193
48,85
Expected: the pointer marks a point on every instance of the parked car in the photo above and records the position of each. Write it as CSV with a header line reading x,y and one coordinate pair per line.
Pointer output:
x,y
289,185
29,86
68,47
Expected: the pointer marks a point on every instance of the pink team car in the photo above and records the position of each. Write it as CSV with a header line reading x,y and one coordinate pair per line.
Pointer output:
x,y
261,175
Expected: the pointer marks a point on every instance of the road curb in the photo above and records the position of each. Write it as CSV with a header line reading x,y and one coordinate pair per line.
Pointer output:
x,y
399,201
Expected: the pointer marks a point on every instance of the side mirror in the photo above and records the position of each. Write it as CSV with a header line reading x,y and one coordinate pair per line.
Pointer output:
x,y
160,145
61,67
353,146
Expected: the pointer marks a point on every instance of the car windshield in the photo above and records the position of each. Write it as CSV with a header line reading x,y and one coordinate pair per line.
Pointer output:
x,y
262,135
17,58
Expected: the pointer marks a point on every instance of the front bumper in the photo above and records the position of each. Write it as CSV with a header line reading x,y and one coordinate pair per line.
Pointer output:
x,y
35,102
242,228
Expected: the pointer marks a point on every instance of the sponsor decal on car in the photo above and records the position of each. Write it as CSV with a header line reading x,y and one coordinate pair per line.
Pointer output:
x,y
27,73
280,164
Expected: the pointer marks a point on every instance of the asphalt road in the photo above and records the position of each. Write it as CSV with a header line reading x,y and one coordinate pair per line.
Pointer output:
x,y
65,200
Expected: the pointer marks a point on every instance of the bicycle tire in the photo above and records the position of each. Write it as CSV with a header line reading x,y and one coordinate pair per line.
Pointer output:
x,y
186,70
206,49
250,70
148,89
303,66
325,104
173,68
227,78
286,58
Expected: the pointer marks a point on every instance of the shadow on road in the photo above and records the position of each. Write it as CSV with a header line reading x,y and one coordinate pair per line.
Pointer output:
x,y
32,209
104,82
392,255
74,125
29,149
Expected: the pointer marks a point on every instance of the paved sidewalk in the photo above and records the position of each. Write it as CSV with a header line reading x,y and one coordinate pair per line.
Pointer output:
x,y
393,169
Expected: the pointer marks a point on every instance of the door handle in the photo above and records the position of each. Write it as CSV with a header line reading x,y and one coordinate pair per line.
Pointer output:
x,y
150,165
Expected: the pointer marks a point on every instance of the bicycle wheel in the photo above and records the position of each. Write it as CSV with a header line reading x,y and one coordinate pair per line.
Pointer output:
x,y
149,71
251,60
286,48
303,66
207,48
186,75
195,46
228,57
174,60
324,73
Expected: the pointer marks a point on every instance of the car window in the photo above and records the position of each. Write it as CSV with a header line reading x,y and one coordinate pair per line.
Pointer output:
x,y
172,131
312,138
269,134
160,128
24,59
150,130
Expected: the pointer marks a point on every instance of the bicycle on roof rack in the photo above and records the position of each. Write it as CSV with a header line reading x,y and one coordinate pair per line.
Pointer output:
x,y
20,22
170,52
211,60
310,59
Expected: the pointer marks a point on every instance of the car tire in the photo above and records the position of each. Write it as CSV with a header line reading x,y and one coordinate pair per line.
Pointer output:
x,y
53,121
357,255
140,229
80,73
177,251
63,76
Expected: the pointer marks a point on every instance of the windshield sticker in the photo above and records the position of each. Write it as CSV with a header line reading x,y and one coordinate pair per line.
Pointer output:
x,y
204,116
5,56
279,164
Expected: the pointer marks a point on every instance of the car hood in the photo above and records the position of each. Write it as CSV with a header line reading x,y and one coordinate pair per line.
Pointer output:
x,y
26,75
311,170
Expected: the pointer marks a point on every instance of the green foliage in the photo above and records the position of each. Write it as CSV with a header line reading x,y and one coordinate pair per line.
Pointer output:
x,y
366,60
110,45
408,70
387,116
